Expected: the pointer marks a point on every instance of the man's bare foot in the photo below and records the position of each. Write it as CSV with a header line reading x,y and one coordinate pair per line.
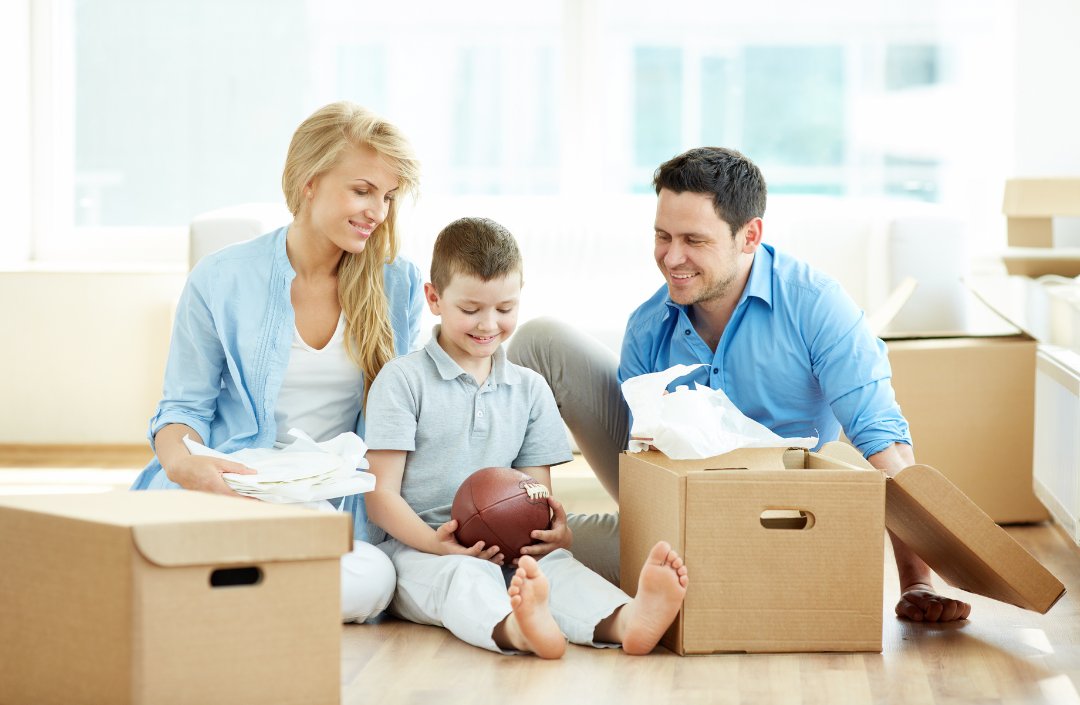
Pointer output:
x,y
661,590
920,603
530,627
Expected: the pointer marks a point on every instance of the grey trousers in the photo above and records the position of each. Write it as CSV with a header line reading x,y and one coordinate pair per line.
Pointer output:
x,y
582,374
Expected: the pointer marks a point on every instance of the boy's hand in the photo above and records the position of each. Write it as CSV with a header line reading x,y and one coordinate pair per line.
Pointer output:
x,y
558,536
447,545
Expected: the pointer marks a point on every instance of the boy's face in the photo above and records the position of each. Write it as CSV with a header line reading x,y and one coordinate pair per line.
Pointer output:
x,y
476,315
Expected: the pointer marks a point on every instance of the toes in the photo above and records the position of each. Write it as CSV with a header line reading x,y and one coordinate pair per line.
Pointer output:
x,y
659,553
528,566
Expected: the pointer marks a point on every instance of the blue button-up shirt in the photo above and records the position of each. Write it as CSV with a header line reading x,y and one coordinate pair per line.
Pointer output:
x,y
231,341
796,356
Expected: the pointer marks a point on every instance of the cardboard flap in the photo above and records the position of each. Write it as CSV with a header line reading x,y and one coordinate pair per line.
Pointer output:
x,y
962,544
989,302
880,319
319,536
746,458
837,450
743,458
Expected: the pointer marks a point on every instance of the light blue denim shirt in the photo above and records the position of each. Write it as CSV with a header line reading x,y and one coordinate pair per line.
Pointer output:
x,y
796,356
230,349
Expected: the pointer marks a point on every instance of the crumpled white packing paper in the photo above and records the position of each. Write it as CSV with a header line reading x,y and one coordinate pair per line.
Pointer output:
x,y
691,424
305,472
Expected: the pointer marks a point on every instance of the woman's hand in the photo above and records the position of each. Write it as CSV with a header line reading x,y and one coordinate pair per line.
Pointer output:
x,y
193,472
447,545
203,473
558,536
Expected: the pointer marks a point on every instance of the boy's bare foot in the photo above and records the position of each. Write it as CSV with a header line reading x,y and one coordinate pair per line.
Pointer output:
x,y
661,590
530,627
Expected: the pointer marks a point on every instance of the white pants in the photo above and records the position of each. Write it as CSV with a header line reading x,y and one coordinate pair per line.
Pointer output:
x,y
468,595
367,582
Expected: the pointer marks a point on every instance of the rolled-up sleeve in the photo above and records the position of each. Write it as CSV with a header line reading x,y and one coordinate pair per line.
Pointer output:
x,y
852,367
196,359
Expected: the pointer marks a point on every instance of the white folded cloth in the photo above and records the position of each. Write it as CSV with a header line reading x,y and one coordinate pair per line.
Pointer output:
x,y
693,423
304,472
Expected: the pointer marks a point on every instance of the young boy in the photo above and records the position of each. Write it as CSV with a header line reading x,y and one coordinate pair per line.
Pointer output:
x,y
439,414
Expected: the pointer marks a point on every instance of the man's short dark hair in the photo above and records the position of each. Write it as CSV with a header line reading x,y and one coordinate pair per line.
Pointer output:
x,y
737,187
475,247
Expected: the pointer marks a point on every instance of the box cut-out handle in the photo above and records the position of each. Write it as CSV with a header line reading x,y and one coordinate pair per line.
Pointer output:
x,y
791,519
236,577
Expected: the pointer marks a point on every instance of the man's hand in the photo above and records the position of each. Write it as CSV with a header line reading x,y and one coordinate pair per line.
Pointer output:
x,y
558,536
447,545
919,603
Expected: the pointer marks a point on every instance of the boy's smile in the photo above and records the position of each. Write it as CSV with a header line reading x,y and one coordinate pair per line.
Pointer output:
x,y
477,316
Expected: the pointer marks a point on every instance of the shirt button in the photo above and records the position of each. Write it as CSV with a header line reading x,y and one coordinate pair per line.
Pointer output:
x,y
479,413
687,331
716,370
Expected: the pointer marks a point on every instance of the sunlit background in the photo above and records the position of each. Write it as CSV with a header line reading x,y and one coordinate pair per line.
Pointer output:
x,y
885,130
180,108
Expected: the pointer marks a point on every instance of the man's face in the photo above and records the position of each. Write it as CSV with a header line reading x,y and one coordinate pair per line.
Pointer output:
x,y
694,248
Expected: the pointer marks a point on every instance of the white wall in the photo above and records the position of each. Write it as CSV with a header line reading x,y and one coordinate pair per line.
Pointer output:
x,y
1048,88
15,175
83,354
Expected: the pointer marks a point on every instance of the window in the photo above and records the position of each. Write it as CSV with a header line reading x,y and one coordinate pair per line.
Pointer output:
x,y
165,110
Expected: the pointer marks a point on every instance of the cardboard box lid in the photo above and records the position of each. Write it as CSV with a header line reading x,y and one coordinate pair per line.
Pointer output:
x,y
957,539
173,528
1042,198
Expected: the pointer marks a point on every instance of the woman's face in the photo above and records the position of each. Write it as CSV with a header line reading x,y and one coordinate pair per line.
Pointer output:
x,y
348,202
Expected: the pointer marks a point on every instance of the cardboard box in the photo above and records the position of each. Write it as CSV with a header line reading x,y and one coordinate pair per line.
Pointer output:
x,y
767,534
1031,204
970,403
758,588
169,597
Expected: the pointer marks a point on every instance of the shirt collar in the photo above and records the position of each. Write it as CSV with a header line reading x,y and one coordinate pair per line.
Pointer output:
x,y
502,372
759,284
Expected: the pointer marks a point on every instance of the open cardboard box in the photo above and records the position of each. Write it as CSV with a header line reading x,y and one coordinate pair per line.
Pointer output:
x,y
169,597
970,403
768,533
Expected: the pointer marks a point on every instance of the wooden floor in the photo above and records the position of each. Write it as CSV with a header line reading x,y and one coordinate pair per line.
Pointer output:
x,y
1001,655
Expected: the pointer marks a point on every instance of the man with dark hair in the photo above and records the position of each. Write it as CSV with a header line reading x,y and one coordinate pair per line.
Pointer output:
x,y
784,341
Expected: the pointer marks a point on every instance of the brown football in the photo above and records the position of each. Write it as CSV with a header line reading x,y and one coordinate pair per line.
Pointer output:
x,y
501,507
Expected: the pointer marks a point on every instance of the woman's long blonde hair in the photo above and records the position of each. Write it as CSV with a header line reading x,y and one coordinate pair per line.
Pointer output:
x,y
316,147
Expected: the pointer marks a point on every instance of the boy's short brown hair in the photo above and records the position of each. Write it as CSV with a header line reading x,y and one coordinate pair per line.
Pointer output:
x,y
476,247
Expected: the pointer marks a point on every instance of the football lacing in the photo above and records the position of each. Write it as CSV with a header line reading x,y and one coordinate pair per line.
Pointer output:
x,y
536,490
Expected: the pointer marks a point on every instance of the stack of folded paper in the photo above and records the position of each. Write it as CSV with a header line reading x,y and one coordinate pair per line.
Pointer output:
x,y
303,472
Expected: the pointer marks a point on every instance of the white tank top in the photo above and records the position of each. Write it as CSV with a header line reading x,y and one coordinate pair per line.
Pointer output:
x,y
321,392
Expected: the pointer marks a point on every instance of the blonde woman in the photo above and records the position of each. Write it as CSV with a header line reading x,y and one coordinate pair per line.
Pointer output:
x,y
289,329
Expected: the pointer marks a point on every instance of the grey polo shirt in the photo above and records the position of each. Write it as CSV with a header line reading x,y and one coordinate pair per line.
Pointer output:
x,y
426,404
